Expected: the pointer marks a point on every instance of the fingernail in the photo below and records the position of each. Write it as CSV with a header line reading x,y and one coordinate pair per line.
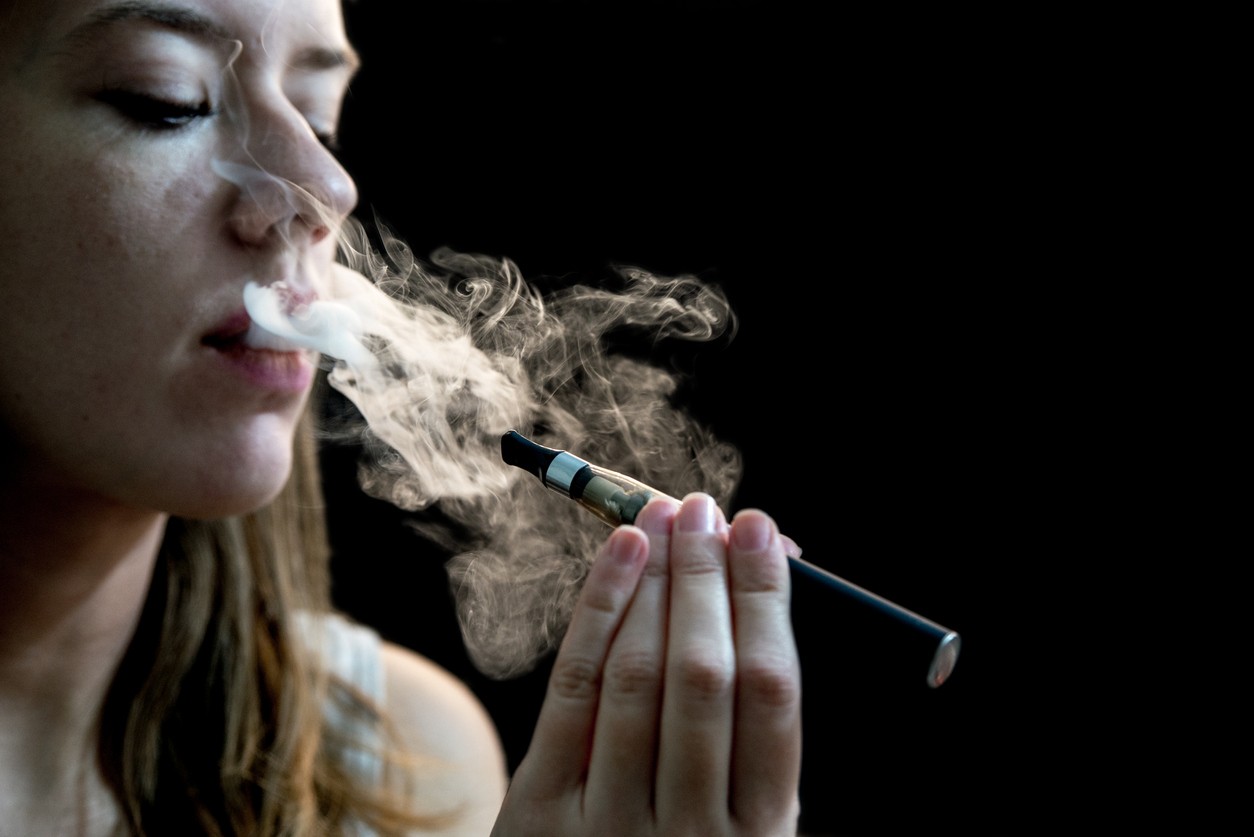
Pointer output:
x,y
657,516
625,547
751,533
697,514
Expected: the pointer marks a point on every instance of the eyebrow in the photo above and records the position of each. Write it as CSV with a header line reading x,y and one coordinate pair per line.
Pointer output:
x,y
325,58
171,17
201,27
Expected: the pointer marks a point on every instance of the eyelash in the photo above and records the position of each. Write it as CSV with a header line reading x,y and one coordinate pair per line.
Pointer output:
x,y
155,113
161,115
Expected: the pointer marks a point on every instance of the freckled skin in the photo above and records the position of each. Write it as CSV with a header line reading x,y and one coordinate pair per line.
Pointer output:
x,y
123,250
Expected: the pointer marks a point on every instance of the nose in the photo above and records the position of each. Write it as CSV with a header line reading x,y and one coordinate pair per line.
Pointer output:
x,y
291,189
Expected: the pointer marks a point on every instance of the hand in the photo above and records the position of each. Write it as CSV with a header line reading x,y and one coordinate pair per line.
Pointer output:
x,y
674,704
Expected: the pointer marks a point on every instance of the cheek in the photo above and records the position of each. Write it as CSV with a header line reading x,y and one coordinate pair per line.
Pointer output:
x,y
103,259
71,177
122,213
114,246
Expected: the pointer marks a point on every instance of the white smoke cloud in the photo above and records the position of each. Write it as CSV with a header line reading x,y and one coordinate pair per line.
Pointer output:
x,y
461,349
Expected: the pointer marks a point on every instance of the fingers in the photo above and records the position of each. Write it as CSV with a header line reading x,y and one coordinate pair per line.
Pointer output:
x,y
699,698
563,735
766,759
624,756
730,737
674,701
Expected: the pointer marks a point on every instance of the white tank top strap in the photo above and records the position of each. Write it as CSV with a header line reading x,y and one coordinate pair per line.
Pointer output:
x,y
351,651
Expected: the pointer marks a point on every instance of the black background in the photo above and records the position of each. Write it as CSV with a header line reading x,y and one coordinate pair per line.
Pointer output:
x,y
874,193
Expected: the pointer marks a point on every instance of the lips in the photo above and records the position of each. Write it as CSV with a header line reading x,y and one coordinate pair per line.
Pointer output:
x,y
263,360
230,332
282,319
240,332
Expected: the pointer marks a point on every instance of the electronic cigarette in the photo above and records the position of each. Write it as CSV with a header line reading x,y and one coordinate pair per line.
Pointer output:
x,y
617,498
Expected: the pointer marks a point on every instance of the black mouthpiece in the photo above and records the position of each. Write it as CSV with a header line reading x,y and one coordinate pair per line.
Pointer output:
x,y
521,452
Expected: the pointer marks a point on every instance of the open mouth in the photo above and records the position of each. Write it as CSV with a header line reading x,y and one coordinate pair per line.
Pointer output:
x,y
240,333
280,320
230,334
268,363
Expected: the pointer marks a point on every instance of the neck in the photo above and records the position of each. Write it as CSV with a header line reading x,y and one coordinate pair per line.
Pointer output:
x,y
74,574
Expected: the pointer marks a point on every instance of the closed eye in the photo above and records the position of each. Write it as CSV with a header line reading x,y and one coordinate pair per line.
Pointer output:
x,y
153,112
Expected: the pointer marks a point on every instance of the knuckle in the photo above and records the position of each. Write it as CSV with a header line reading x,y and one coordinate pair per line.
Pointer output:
x,y
706,678
575,678
703,558
761,582
634,673
771,682
601,601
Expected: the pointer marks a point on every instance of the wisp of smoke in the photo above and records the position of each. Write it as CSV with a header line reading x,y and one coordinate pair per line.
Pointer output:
x,y
442,356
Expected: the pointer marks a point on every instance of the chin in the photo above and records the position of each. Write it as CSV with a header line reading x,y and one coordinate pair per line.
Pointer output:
x,y
225,502
248,483
230,505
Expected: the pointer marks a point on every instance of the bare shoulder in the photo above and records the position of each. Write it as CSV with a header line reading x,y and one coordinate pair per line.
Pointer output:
x,y
439,719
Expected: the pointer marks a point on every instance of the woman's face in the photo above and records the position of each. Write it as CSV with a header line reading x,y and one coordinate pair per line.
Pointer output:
x,y
156,156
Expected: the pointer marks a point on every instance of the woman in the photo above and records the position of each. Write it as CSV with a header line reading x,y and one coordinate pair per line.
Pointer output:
x,y
169,662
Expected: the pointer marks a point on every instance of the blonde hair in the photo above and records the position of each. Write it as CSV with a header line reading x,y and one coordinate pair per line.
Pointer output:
x,y
215,721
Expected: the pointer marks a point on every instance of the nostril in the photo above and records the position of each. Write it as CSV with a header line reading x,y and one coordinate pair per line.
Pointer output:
x,y
271,207
319,233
